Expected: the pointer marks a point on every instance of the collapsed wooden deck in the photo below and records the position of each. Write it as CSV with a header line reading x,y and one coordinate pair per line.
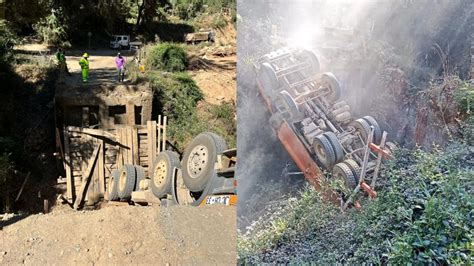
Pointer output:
x,y
90,156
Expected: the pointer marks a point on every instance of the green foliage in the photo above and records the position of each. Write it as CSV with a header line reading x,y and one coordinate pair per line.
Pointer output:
x,y
52,29
167,56
178,97
465,97
188,9
423,215
219,21
7,40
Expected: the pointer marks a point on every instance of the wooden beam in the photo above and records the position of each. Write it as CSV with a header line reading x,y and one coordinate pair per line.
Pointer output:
x,y
86,177
130,110
159,134
135,148
85,116
101,169
150,146
93,132
165,121
67,167
22,187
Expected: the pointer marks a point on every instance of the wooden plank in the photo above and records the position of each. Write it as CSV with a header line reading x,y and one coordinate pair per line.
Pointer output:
x,y
150,144
101,170
130,144
136,148
130,110
86,177
67,164
153,140
165,121
85,116
92,132
159,134
120,149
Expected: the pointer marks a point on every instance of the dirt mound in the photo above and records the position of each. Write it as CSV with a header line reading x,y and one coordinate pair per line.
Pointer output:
x,y
123,235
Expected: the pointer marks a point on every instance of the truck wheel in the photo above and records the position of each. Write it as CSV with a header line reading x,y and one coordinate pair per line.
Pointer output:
x,y
269,79
127,181
343,172
336,145
377,131
140,173
113,185
162,175
324,151
179,192
355,168
329,81
361,126
312,59
199,159
290,105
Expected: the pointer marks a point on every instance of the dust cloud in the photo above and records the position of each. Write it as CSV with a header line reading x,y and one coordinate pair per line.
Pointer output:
x,y
382,52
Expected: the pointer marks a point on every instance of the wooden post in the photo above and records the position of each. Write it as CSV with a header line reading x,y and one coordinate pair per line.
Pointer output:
x,y
130,110
85,116
136,158
101,168
67,166
45,206
86,177
159,134
151,144
163,147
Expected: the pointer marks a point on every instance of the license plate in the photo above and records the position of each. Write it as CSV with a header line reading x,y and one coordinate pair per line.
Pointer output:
x,y
224,200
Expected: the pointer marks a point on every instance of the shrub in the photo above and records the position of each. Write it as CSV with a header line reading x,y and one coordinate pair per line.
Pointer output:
x,y
423,215
7,40
167,57
52,30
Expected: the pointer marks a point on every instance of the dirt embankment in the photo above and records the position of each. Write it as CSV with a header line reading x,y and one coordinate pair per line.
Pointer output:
x,y
123,235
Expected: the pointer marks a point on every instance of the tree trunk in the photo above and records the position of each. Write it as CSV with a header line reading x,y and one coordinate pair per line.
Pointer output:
x,y
140,11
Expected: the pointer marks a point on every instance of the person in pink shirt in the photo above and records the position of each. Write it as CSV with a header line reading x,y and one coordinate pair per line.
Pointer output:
x,y
120,63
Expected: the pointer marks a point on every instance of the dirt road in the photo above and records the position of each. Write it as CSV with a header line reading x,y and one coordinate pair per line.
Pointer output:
x,y
123,235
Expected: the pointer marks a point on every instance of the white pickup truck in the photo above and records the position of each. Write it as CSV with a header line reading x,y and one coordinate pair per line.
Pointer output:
x,y
120,41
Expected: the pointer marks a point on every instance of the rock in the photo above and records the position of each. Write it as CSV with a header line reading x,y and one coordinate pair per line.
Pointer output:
x,y
110,255
3,253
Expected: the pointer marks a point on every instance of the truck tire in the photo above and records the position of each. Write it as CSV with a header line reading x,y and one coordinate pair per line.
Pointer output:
x,y
377,131
290,105
329,81
336,145
324,151
127,181
312,59
199,159
140,173
269,80
361,126
112,187
355,168
162,175
343,172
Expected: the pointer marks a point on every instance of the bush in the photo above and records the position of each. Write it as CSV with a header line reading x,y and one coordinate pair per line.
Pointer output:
x,y
168,57
177,96
52,30
7,40
423,215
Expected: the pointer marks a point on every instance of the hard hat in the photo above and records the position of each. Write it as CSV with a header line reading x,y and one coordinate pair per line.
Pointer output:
x,y
118,53
85,55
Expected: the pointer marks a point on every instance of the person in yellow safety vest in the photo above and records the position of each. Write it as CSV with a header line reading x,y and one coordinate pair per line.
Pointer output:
x,y
84,63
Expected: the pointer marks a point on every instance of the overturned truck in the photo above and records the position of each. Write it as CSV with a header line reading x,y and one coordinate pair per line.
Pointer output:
x,y
315,126
111,149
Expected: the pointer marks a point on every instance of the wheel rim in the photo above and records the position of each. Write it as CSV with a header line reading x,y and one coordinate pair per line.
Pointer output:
x,y
197,161
320,152
161,171
123,180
